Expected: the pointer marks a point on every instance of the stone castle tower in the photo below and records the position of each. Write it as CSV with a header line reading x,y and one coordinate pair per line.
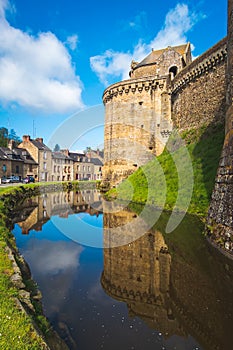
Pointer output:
x,y
138,112
166,90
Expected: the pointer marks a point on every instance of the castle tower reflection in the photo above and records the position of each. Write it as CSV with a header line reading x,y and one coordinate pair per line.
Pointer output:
x,y
179,287
139,274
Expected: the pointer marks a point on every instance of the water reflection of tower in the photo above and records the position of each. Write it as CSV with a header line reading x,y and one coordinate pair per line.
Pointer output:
x,y
139,273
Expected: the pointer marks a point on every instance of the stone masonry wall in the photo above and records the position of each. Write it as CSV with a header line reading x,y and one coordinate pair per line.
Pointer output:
x,y
137,125
220,216
199,90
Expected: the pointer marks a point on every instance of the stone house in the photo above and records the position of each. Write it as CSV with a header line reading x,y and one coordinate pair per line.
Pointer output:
x,y
41,155
30,167
84,166
62,167
97,168
16,161
11,163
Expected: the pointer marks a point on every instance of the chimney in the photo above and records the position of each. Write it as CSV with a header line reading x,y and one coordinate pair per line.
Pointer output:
x,y
65,152
26,138
11,144
39,139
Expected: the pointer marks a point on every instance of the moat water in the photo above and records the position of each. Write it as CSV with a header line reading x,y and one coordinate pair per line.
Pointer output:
x,y
160,291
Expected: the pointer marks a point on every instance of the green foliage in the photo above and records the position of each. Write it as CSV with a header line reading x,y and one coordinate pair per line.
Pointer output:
x,y
157,182
16,330
6,135
13,136
3,137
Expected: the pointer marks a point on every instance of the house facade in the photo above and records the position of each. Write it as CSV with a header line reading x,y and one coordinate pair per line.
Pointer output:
x,y
62,167
10,164
85,167
41,154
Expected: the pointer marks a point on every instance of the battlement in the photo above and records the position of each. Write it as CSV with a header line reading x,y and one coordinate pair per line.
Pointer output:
x,y
201,65
132,86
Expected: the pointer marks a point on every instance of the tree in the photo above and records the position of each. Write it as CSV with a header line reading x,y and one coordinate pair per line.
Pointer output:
x,y
3,136
6,135
56,148
13,136
87,150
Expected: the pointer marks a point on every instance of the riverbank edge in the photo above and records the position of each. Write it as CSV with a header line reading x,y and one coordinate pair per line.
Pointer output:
x,y
28,296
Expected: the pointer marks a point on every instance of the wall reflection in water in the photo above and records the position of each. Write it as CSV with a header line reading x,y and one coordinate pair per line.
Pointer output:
x,y
175,282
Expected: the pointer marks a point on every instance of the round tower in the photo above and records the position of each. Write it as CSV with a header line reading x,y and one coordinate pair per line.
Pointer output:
x,y
138,112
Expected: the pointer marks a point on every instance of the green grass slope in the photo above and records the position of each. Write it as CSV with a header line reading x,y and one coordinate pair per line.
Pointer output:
x,y
184,172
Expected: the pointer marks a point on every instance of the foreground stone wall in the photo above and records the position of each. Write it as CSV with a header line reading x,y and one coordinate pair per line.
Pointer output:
x,y
220,216
199,90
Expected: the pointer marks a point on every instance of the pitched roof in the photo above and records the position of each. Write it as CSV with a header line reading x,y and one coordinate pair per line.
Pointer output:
x,y
24,155
75,156
60,155
96,161
3,156
155,54
40,145
8,154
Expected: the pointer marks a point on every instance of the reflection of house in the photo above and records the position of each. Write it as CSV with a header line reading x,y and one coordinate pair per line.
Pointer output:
x,y
36,211
31,215
62,167
41,154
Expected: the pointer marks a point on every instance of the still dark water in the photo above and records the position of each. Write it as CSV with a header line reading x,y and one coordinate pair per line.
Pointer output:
x,y
161,291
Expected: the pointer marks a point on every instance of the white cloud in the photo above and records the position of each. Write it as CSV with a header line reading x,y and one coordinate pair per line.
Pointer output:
x,y
36,71
115,64
4,5
178,22
41,256
72,41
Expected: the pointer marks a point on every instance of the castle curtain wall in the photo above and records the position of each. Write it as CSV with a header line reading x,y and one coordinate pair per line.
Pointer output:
x,y
220,216
199,90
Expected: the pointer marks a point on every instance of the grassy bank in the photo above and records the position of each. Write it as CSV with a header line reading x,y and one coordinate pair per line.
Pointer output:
x,y
157,182
16,330
20,329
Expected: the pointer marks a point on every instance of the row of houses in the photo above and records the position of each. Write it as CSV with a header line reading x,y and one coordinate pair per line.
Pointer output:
x,y
33,158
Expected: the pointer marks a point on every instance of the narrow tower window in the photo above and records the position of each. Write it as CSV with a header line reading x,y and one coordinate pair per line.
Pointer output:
x,y
173,71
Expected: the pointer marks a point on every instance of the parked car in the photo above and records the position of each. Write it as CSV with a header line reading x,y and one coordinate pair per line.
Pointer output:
x,y
10,179
15,178
6,180
28,179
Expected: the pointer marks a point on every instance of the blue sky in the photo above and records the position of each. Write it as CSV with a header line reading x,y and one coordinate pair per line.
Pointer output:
x,y
57,57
